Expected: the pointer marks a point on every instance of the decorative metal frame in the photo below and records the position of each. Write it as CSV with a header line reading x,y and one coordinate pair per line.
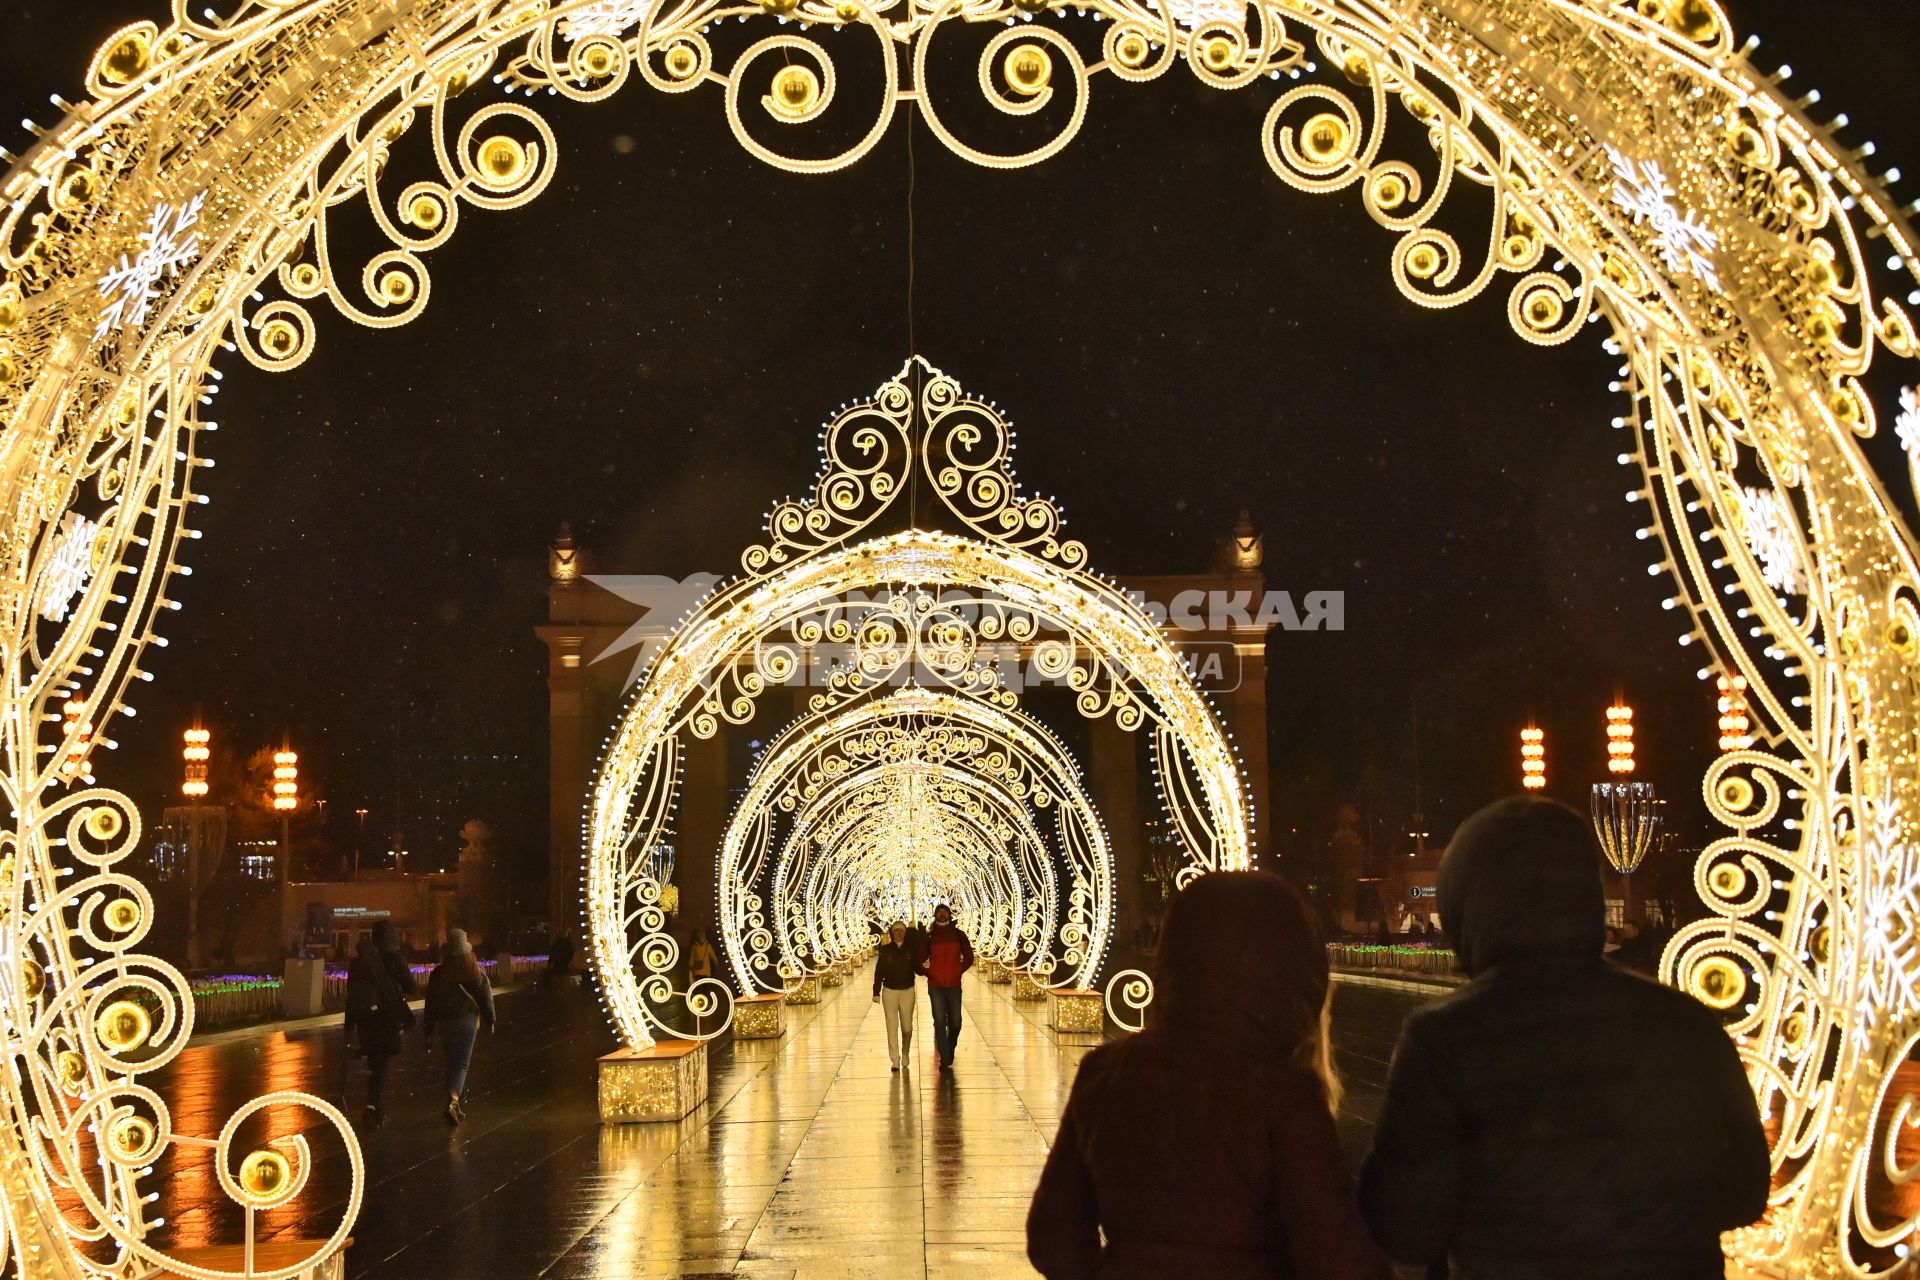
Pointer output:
x,y
1743,262
852,615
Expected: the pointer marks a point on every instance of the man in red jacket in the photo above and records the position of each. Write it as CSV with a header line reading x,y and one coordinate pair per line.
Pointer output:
x,y
945,954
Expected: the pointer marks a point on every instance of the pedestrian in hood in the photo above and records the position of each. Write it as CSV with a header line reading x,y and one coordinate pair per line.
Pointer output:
x,y
459,1003
945,954
1558,1115
379,984
1205,1145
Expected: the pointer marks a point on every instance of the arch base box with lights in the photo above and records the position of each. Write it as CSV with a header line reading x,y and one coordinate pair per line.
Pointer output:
x,y
663,1081
806,991
1026,986
833,977
1076,1011
268,1255
762,1017
993,970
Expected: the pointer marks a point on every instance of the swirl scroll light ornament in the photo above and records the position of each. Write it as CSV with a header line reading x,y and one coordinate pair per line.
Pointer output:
x,y
284,117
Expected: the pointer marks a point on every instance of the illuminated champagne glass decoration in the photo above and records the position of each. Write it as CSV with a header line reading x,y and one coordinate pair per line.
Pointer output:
x,y
1533,759
1626,815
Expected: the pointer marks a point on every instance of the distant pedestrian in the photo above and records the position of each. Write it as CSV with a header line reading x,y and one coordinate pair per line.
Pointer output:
x,y
1205,1145
945,954
459,1003
1558,1115
379,984
560,955
895,974
702,959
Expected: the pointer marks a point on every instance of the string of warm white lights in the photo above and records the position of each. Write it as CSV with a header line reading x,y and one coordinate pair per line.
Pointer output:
x,y
1635,171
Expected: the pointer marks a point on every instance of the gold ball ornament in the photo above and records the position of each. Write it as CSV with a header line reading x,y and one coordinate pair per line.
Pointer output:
x,y
305,276
1423,261
264,1174
1389,191
126,57
1735,793
1217,55
397,288
597,60
1132,50
122,915
279,338
132,1137
123,1026
1029,67
71,1069
426,212
682,61
33,978
1718,983
502,160
1324,138
1728,880
104,822
1542,309
795,90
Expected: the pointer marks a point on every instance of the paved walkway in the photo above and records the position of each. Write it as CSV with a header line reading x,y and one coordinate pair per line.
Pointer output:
x,y
810,1159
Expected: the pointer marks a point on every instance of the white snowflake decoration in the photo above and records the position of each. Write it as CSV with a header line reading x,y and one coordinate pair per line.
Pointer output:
x,y
1198,13
1769,528
604,18
167,245
72,566
1906,427
1643,191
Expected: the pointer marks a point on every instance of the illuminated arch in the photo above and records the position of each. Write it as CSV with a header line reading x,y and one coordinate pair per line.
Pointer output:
x,y
851,614
1731,246
815,758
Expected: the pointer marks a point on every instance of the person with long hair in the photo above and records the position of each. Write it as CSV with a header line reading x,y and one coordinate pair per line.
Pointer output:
x,y
459,1003
1205,1145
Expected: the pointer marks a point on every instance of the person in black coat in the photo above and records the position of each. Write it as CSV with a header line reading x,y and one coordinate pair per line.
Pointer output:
x,y
379,984
1558,1115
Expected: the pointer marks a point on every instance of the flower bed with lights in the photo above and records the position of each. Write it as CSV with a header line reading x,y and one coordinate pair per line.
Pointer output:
x,y
1394,958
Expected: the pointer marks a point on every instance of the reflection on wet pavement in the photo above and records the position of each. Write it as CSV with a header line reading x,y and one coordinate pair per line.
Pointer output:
x,y
810,1159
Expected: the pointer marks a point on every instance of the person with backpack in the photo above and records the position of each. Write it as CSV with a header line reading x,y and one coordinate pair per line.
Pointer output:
x,y
945,954
379,984
459,1003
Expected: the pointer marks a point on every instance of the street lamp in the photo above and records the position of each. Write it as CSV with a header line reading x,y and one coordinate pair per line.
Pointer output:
x,y
196,753
1533,758
286,798
359,840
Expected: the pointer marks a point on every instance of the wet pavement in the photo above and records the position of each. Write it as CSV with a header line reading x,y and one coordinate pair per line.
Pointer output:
x,y
810,1159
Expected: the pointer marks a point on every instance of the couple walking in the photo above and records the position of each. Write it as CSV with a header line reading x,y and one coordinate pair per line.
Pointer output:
x,y
379,986
1557,1118
942,955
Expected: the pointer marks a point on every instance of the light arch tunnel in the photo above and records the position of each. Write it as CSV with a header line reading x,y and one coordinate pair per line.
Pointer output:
x,y
916,776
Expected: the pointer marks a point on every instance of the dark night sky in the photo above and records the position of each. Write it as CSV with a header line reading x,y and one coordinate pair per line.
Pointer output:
x,y
649,348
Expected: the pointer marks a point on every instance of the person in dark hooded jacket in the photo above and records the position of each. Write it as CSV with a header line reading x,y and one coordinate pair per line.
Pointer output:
x,y
1557,1116
379,984
1205,1145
